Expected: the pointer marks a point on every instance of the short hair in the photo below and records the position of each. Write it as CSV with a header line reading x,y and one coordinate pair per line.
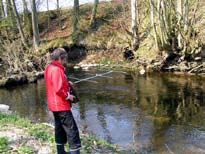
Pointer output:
x,y
58,53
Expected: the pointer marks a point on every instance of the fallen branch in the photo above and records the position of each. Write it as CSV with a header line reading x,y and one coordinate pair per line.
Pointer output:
x,y
195,68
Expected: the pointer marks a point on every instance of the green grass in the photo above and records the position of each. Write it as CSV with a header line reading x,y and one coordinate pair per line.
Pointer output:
x,y
25,150
14,120
4,144
42,132
106,61
45,134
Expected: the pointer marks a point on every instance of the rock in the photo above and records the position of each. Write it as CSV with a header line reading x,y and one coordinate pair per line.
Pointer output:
x,y
171,68
203,52
32,78
198,58
4,108
128,54
142,71
2,82
183,66
16,80
193,64
88,66
198,51
39,75
76,67
63,27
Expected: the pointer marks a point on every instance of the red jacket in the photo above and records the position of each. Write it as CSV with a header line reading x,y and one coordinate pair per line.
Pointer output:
x,y
57,87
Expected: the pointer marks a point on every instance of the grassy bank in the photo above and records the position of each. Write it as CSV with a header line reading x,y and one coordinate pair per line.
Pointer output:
x,y
19,136
105,44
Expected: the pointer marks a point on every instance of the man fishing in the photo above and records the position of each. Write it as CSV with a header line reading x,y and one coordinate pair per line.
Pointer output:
x,y
59,101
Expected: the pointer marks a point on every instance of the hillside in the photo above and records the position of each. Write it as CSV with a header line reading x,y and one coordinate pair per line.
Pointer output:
x,y
105,44
202,4
112,31
109,16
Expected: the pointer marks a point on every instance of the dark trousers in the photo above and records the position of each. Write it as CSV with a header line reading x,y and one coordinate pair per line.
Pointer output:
x,y
66,129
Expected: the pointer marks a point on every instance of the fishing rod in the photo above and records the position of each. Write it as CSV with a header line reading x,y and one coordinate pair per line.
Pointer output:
x,y
95,76
72,90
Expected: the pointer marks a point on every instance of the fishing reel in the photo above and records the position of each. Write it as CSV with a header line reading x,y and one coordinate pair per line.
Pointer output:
x,y
74,93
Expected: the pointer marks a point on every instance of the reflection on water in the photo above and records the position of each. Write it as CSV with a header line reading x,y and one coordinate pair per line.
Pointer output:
x,y
155,113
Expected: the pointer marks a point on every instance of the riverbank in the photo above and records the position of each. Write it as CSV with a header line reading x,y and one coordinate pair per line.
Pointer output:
x,y
148,63
106,45
19,136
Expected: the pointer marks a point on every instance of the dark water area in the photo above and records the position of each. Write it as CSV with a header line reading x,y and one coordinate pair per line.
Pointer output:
x,y
154,113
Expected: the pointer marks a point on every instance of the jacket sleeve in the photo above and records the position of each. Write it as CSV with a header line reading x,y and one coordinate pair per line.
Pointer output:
x,y
57,81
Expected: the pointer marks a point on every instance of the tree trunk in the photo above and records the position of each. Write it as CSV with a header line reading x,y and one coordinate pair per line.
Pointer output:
x,y
2,12
162,22
75,21
165,17
59,13
193,18
135,42
10,14
57,5
161,35
185,15
185,23
18,23
179,16
25,10
48,12
27,18
36,38
152,13
93,18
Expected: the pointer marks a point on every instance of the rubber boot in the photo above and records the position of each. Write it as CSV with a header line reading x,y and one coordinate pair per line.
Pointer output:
x,y
75,152
61,149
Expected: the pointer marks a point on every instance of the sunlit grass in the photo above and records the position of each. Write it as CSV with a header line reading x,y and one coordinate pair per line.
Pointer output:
x,y
45,133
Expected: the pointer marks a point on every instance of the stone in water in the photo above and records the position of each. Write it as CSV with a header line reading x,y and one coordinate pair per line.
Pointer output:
x,y
4,108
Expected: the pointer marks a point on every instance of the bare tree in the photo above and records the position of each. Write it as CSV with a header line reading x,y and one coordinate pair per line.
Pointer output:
x,y
57,5
27,18
93,18
48,13
185,14
162,21
152,13
25,10
179,15
36,37
58,12
10,14
18,23
134,26
2,12
75,21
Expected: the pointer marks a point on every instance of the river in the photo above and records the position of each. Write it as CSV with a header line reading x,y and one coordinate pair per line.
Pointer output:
x,y
153,113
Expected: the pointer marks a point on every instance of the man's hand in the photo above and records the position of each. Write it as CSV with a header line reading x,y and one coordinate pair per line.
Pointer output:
x,y
72,98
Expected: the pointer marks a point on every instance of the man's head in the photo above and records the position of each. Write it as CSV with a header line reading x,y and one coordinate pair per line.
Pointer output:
x,y
60,55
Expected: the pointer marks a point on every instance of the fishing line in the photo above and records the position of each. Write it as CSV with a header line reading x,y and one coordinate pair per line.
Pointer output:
x,y
95,76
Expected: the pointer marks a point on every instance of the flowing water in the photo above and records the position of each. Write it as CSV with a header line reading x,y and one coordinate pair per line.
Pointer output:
x,y
153,113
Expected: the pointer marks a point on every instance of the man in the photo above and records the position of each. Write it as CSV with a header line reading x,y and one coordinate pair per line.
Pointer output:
x,y
59,102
